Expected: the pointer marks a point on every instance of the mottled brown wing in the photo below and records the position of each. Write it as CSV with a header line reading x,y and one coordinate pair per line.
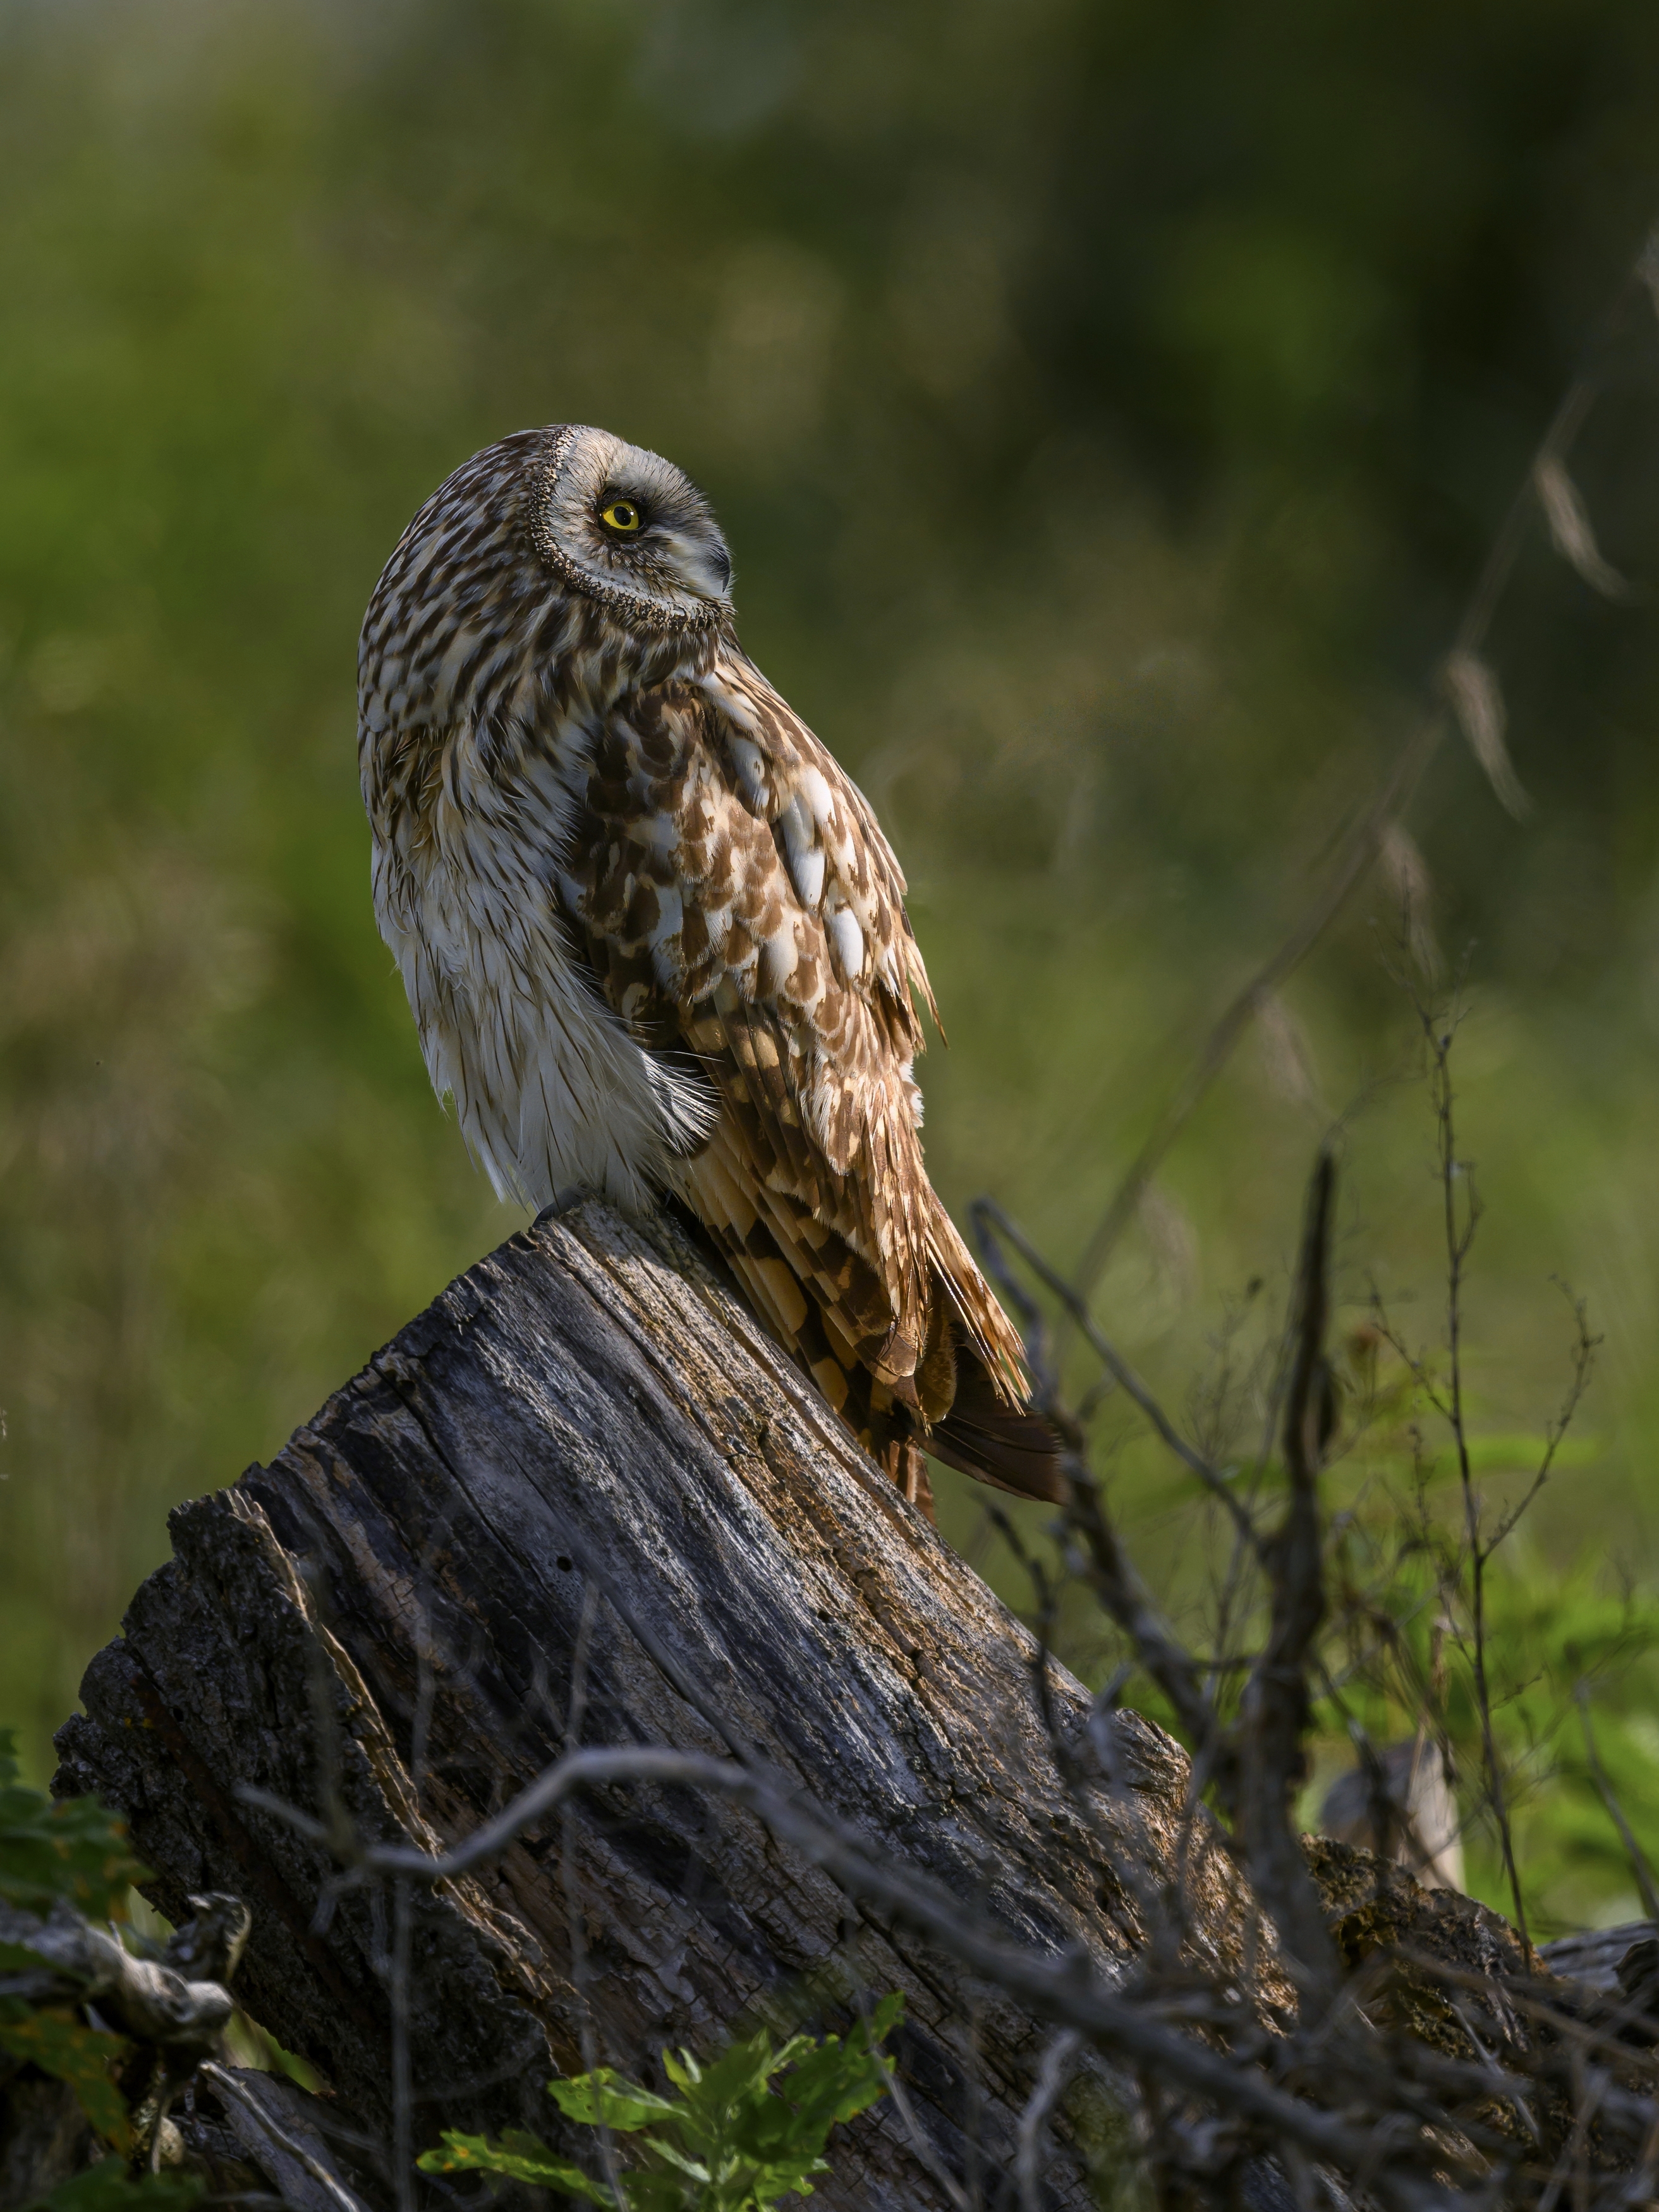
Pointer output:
x,y
742,907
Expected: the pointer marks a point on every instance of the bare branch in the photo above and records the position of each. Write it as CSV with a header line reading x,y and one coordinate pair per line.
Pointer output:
x,y
1637,1857
1065,1989
1045,2095
988,1215
1460,1219
1274,1719
575,1922
181,2008
1107,1571
228,2086
403,2092
1583,1358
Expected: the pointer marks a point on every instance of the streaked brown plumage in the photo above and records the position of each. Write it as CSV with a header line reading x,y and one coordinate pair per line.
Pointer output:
x,y
653,936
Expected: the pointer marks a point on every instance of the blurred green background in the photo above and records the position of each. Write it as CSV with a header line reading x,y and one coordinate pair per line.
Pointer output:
x,y
1108,402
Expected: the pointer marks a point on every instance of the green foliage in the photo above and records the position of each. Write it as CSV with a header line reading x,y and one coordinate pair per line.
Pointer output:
x,y
109,2187
744,2130
1557,1635
60,2044
74,1849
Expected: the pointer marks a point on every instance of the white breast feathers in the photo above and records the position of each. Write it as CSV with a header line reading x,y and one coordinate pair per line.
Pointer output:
x,y
551,1092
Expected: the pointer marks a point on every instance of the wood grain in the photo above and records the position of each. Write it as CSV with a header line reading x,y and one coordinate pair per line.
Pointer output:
x,y
586,1470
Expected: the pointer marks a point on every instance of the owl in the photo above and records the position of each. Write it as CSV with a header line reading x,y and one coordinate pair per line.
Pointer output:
x,y
653,938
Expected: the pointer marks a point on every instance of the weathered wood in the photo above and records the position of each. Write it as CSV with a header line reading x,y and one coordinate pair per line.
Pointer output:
x,y
585,1472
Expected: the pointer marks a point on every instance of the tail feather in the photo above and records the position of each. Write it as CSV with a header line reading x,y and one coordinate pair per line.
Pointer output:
x,y
980,1427
1009,1446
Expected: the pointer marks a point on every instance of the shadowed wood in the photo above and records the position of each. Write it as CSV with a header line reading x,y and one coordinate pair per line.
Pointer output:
x,y
585,1476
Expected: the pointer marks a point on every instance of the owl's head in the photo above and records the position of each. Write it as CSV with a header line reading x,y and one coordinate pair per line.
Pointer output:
x,y
626,528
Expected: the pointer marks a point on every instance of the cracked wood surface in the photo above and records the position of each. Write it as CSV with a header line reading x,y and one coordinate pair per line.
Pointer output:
x,y
584,1497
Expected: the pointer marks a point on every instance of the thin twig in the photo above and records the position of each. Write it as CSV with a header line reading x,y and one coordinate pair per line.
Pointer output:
x,y
1102,1561
1583,1358
1046,2091
1459,1225
923,2151
1106,1567
1274,1721
576,1713
1065,1989
403,2098
1637,1857
987,1217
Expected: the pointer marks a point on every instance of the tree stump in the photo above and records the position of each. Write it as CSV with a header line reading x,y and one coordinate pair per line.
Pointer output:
x,y
584,1498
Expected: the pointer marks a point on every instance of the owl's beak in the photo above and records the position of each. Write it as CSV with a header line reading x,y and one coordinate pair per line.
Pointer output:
x,y
702,565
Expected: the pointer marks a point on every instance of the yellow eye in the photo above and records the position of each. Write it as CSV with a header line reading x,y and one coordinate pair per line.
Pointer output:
x,y
621,515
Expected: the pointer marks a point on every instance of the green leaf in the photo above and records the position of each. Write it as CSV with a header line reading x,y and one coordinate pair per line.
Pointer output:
x,y
743,2070
518,2143
659,2189
76,1849
786,2177
603,2097
831,2082
684,2072
109,2187
743,2144
61,2046
678,2159
464,2154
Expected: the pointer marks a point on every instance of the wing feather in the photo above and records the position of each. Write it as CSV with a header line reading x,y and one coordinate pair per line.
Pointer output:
x,y
743,911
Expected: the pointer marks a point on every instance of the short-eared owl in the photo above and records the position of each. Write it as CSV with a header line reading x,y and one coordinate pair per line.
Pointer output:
x,y
653,938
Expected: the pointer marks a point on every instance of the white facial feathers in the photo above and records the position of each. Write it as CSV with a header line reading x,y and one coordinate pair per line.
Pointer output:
x,y
625,527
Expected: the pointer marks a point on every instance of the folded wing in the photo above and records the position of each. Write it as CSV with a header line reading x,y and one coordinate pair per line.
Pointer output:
x,y
746,915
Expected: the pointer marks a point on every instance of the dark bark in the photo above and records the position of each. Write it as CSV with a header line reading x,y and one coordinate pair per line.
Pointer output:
x,y
585,1471
44,2137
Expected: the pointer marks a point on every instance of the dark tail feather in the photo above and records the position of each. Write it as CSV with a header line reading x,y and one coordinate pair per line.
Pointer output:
x,y
1006,1445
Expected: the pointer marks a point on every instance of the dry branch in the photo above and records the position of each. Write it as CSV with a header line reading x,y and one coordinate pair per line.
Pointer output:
x,y
584,1501
1275,1719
